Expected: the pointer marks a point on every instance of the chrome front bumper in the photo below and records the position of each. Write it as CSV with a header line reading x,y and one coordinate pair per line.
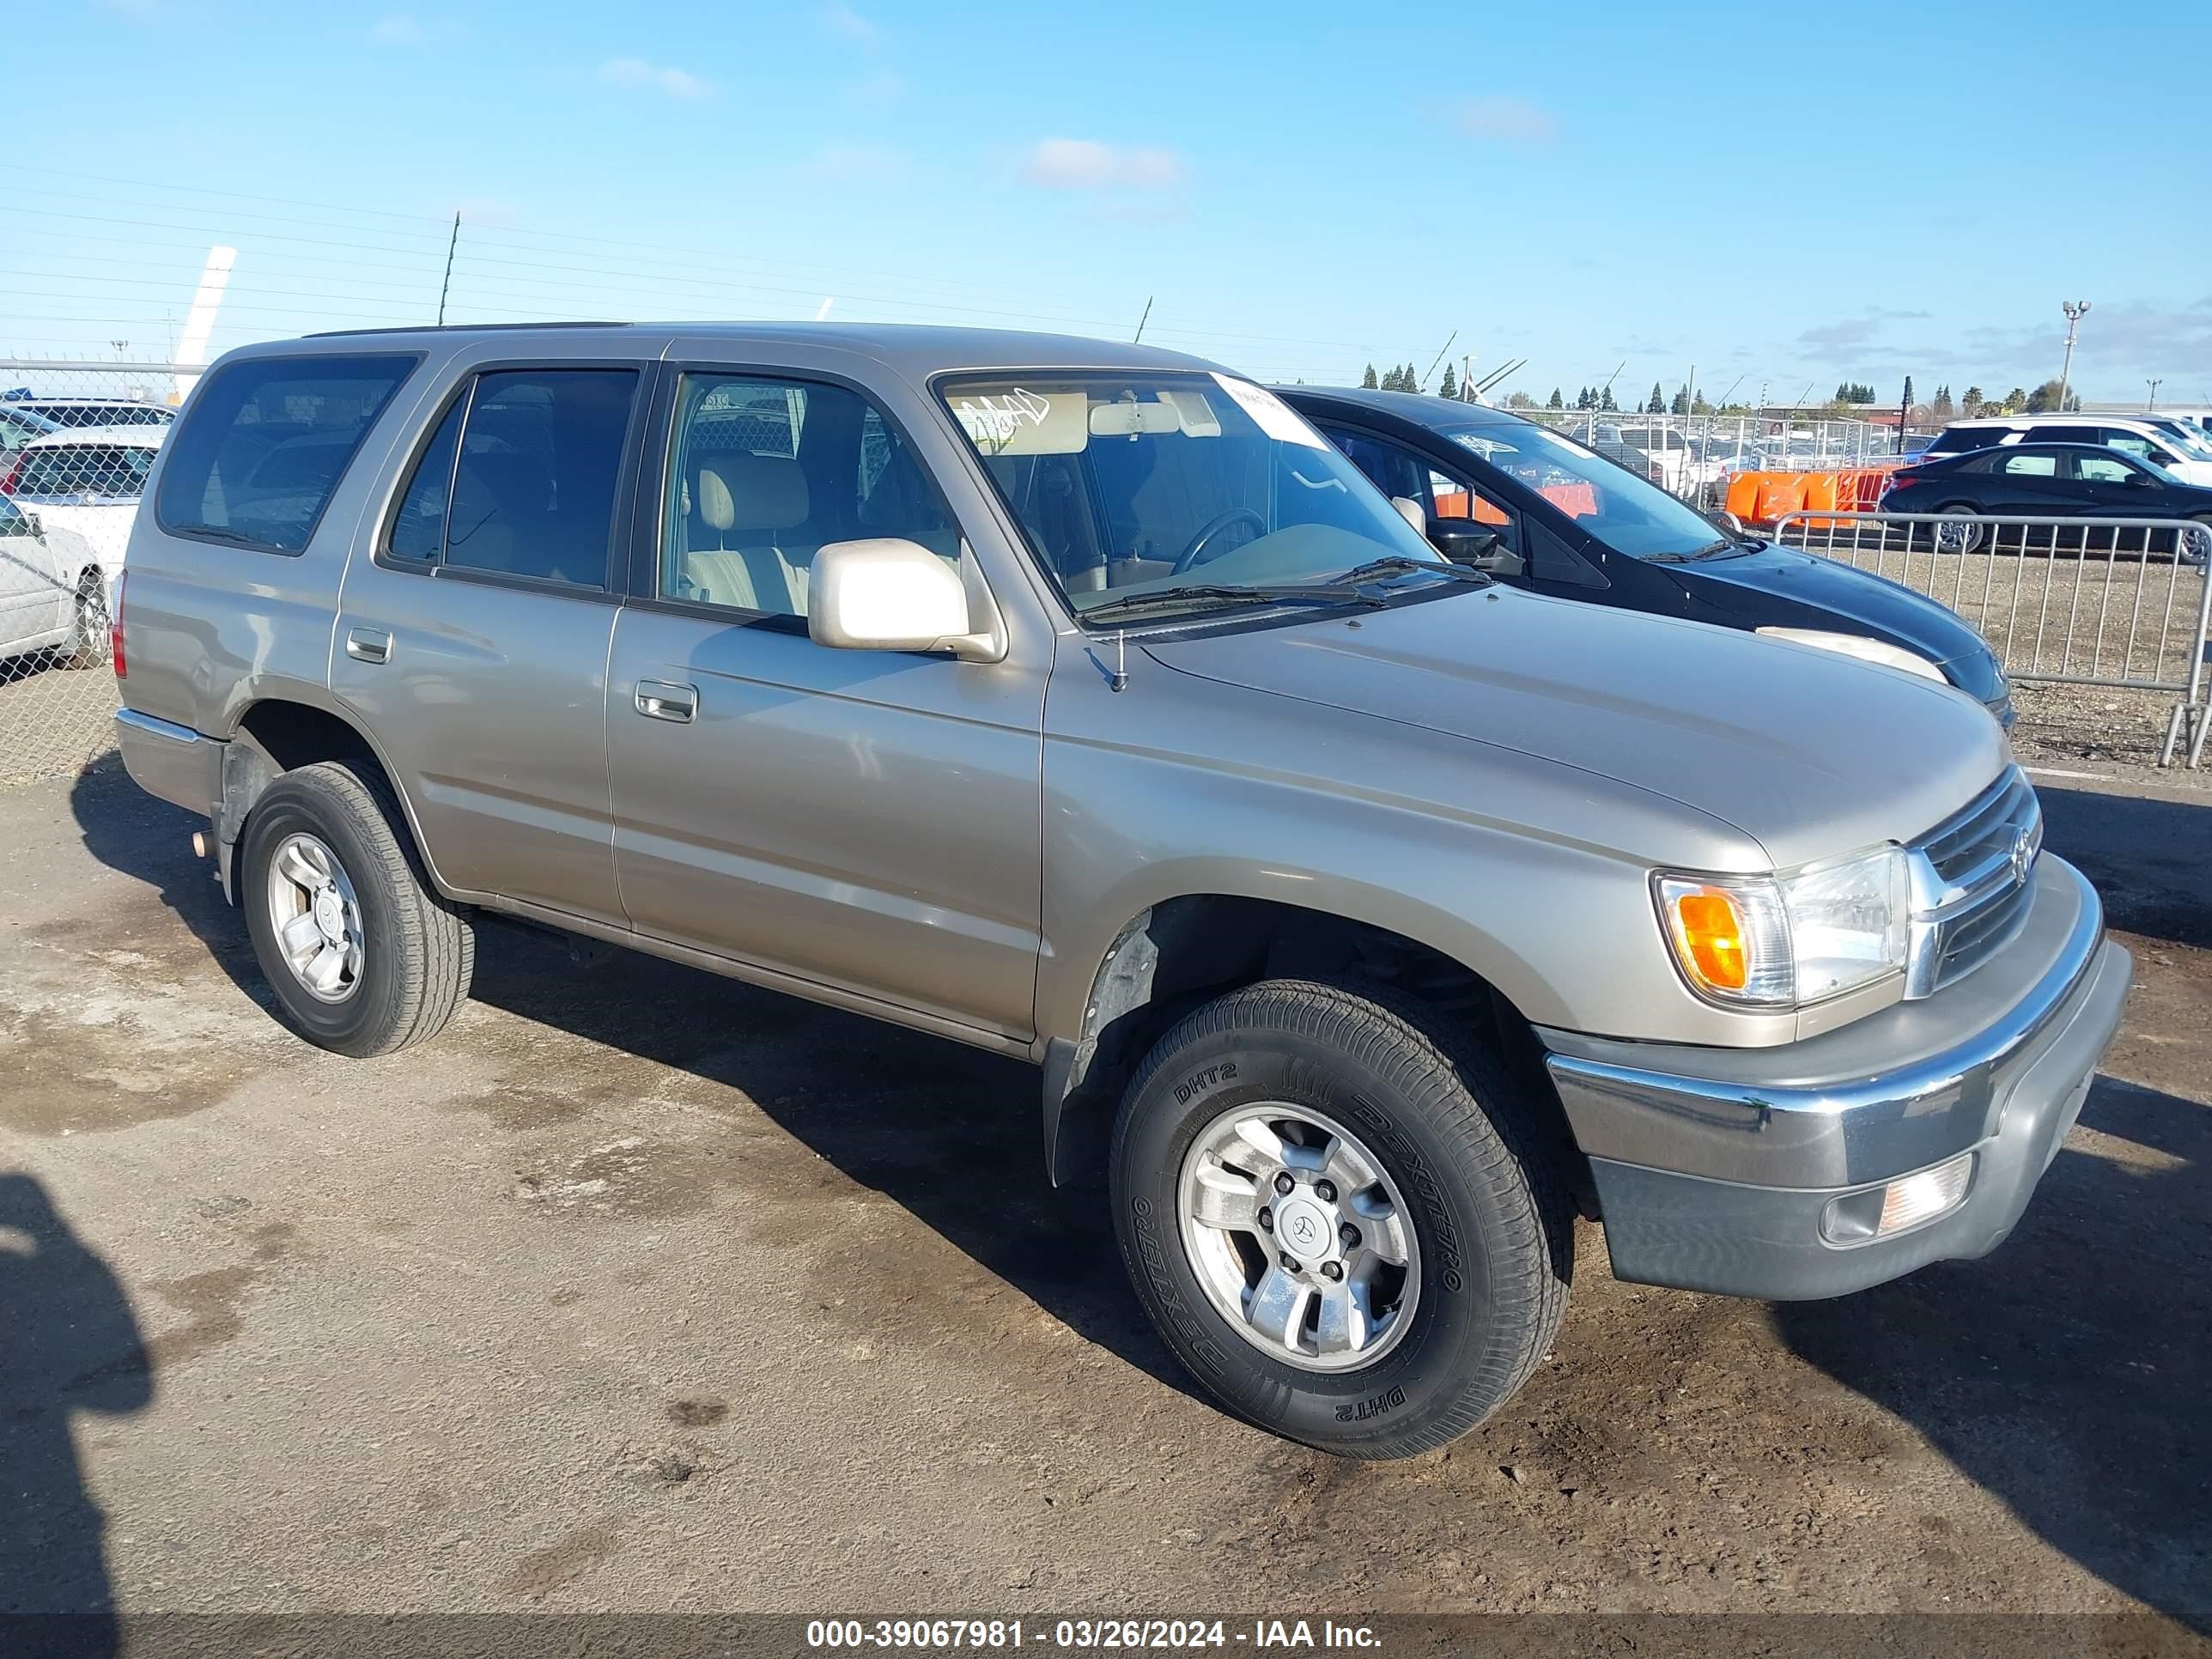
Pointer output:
x,y
1716,1167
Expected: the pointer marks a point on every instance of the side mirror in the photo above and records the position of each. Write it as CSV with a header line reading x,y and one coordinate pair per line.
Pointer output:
x,y
2142,480
887,593
1476,546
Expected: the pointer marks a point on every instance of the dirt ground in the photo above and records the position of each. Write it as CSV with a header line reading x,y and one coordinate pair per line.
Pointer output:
x,y
642,1290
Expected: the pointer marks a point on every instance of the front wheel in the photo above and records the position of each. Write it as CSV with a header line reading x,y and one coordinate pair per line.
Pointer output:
x,y
1345,1225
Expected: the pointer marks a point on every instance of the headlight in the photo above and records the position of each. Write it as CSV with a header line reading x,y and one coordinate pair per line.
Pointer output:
x,y
1857,645
1785,941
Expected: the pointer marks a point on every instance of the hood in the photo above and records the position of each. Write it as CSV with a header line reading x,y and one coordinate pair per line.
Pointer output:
x,y
1884,608
1809,753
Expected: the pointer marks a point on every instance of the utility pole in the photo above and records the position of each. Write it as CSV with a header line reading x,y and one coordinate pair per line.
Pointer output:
x,y
2153,404
445,287
2075,310
1904,413
1453,335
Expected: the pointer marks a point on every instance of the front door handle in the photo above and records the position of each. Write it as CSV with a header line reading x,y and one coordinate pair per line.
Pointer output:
x,y
369,645
657,700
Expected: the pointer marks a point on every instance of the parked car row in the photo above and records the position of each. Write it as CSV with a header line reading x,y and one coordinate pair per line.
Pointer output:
x,y
1370,899
69,494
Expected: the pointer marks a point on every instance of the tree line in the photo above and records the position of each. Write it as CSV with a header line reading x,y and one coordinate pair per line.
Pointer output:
x,y
1851,395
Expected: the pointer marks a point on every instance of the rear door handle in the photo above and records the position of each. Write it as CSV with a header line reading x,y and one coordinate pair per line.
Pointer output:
x,y
369,645
657,700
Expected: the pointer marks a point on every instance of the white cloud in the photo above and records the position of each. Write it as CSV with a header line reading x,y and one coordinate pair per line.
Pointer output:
x,y
1085,164
399,30
842,19
1506,121
856,164
637,74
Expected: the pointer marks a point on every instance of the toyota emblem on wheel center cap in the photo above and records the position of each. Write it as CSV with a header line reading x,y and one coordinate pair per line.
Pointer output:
x,y
1301,1226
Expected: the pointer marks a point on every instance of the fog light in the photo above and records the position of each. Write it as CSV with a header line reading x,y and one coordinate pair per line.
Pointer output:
x,y
1922,1197
1878,1211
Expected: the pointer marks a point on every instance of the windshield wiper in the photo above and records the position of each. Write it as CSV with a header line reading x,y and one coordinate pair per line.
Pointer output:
x,y
1203,595
1695,553
1391,563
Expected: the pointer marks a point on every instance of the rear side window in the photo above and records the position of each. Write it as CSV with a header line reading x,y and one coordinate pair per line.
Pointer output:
x,y
262,452
520,477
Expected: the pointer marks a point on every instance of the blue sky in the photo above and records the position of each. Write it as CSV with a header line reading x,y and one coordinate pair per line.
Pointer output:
x,y
1781,196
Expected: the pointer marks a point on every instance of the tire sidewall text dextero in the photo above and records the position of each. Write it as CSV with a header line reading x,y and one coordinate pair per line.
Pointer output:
x,y
1416,1394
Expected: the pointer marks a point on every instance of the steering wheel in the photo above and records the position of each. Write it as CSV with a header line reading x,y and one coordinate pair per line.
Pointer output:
x,y
1194,554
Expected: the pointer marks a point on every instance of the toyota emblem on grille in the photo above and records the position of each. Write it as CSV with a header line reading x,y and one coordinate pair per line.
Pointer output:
x,y
2023,854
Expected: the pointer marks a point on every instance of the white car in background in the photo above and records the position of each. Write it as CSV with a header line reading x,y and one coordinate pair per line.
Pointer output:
x,y
86,480
53,593
2147,438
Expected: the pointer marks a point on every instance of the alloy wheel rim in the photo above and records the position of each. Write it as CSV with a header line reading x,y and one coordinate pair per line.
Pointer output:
x,y
316,917
1299,1238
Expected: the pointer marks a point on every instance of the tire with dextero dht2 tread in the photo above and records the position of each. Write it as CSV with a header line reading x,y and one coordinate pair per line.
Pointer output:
x,y
363,953
1343,1218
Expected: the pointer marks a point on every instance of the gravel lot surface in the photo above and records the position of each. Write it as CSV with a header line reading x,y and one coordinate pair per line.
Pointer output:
x,y
642,1290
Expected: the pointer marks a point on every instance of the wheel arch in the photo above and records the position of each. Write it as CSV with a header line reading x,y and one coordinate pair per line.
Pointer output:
x,y
282,731
1188,948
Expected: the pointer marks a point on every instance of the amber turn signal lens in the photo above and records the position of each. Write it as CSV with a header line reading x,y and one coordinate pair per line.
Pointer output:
x,y
1709,931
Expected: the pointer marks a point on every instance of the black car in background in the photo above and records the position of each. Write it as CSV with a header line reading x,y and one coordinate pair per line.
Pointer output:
x,y
2054,481
1540,510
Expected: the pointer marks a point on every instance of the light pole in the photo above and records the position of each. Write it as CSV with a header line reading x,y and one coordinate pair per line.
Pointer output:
x,y
2075,310
2153,404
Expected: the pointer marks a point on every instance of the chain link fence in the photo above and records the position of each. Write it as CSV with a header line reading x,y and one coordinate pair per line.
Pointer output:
x,y
76,439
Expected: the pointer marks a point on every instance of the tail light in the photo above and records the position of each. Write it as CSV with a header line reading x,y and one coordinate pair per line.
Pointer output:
x,y
7,478
115,625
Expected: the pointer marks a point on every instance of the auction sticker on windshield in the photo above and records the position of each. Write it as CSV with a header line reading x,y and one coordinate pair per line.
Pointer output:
x,y
1270,413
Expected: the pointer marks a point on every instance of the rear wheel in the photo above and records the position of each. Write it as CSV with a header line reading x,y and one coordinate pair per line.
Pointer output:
x,y
364,955
1340,1220
1963,531
88,635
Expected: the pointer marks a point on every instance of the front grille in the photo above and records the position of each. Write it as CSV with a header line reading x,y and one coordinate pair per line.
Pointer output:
x,y
1972,876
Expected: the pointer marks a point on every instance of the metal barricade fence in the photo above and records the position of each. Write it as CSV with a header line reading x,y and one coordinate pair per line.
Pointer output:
x,y
2120,603
76,439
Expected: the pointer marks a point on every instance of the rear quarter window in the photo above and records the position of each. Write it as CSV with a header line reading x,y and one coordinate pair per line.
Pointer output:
x,y
1958,440
256,459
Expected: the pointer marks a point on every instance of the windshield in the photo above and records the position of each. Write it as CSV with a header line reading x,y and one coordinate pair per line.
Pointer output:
x,y
2186,439
1621,509
1146,483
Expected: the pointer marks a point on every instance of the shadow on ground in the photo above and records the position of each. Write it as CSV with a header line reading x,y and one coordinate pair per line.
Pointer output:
x,y
951,1134
2151,859
2070,1374
68,1345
